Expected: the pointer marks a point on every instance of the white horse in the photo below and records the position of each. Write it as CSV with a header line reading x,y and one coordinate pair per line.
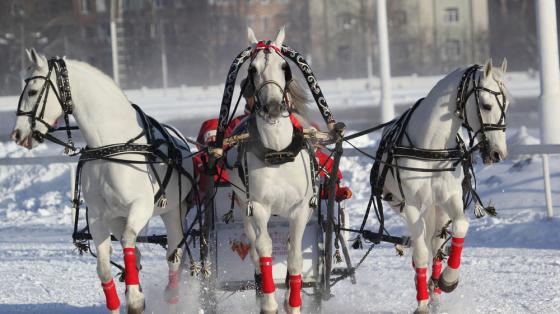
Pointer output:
x,y
431,199
120,196
285,189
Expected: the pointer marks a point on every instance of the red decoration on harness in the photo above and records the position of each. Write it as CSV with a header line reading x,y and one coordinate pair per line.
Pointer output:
x,y
421,284
111,296
436,273
130,270
295,290
454,260
266,271
295,122
262,45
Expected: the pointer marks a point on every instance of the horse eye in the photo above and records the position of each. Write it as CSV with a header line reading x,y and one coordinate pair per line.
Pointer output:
x,y
32,93
252,69
487,107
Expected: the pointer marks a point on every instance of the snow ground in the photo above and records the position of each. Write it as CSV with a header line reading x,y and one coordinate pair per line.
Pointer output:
x,y
511,262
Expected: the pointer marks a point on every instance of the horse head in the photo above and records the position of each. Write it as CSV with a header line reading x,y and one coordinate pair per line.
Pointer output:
x,y
37,113
485,113
270,75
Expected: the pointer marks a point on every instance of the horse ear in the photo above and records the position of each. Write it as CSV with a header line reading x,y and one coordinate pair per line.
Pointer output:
x,y
251,36
36,58
504,65
280,37
488,68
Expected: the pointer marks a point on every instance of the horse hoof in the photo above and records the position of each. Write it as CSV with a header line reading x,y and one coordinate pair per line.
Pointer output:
x,y
445,286
136,308
269,311
421,311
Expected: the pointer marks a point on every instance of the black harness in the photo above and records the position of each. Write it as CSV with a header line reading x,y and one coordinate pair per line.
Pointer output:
x,y
391,149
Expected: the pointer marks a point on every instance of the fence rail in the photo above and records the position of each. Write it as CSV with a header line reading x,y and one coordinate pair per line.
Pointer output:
x,y
514,150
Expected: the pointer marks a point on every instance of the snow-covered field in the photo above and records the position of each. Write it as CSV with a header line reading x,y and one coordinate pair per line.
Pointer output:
x,y
511,262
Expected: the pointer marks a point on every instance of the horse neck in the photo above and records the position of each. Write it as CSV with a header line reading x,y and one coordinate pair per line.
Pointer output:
x,y
434,124
276,136
101,110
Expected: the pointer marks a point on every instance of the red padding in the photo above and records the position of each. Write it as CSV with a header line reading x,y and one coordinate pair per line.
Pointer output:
x,y
266,271
130,270
295,290
454,260
173,279
436,268
111,296
421,284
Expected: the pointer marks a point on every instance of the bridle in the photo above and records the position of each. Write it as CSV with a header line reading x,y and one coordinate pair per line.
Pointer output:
x,y
64,98
463,95
268,47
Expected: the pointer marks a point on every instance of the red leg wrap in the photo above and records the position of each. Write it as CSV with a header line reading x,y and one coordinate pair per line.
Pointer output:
x,y
421,284
111,296
130,270
173,279
436,272
295,290
454,260
436,268
266,271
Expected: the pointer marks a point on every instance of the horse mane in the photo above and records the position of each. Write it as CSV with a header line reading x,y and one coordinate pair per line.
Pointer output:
x,y
299,100
90,68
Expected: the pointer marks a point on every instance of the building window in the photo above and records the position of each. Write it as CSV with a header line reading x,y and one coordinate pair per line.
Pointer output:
x,y
398,18
345,21
157,4
84,7
451,15
344,53
100,6
452,49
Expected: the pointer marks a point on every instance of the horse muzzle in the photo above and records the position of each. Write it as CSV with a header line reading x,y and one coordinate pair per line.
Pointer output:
x,y
19,139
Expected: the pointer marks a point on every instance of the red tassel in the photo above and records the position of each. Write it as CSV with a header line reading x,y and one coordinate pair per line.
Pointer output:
x,y
173,279
130,270
454,260
266,271
111,296
421,284
295,290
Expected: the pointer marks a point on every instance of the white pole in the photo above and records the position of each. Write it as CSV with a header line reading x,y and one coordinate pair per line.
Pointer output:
x,y
387,108
114,45
550,84
163,57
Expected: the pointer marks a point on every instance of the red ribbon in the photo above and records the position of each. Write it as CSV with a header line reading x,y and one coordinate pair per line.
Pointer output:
x,y
262,45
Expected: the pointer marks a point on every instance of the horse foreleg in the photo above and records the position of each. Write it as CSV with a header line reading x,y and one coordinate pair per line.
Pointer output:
x,y
173,225
252,237
450,276
419,255
102,238
140,213
263,242
438,236
295,261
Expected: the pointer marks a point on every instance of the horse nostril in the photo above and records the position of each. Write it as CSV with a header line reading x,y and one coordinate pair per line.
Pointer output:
x,y
15,136
496,156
